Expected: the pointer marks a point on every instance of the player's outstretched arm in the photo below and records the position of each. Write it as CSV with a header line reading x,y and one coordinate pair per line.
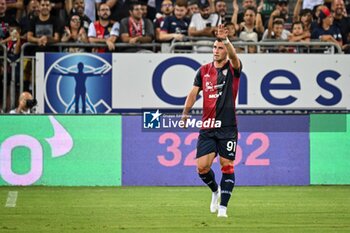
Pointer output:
x,y
222,34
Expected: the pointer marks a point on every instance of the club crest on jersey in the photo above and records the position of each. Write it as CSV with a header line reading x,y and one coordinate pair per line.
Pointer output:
x,y
208,86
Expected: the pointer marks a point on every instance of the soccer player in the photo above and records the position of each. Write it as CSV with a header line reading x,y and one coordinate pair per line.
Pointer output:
x,y
219,82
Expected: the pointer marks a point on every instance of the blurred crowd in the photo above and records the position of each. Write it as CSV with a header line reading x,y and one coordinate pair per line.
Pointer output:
x,y
135,22
45,22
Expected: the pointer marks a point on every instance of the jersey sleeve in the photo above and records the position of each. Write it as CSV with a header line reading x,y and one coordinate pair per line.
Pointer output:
x,y
115,29
92,30
198,79
237,72
166,25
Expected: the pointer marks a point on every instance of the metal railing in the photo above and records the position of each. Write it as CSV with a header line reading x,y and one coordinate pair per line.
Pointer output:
x,y
314,46
4,77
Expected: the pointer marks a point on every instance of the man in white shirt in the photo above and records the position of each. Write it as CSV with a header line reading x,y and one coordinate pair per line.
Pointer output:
x,y
204,23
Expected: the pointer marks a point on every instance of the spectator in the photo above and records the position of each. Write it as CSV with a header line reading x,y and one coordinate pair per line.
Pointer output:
x,y
299,13
13,46
43,29
176,26
14,42
326,31
167,9
192,6
342,22
298,34
306,19
281,11
26,102
245,5
104,30
221,10
79,9
32,12
58,13
204,23
232,35
5,21
276,31
74,32
15,8
251,29
135,29
277,34
144,9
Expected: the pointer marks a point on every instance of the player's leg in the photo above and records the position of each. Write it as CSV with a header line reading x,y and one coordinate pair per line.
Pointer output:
x,y
208,176
227,184
206,152
227,149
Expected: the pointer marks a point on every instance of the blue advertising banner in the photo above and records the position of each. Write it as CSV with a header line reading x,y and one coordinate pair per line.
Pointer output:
x,y
271,155
77,83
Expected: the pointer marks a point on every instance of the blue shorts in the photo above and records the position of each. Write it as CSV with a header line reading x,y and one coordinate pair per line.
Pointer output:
x,y
222,141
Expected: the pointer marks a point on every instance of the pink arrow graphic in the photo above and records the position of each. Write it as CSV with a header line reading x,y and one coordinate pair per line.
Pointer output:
x,y
61,142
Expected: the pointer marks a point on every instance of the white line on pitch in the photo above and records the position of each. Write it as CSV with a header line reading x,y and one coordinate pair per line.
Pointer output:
x,y
11,199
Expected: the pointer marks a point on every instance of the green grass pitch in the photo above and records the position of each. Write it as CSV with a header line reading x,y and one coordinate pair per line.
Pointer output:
x,y
174,209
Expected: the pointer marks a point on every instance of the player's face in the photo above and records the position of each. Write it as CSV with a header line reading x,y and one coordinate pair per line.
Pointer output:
x,y
219,51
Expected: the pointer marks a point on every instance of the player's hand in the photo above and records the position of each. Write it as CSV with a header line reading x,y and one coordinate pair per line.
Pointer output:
x,y
222,32
183,121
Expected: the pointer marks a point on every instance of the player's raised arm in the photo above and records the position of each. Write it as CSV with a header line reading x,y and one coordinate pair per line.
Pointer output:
x,y
222,34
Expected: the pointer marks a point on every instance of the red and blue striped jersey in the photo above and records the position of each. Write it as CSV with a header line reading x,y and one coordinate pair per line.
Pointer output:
x,y
219,87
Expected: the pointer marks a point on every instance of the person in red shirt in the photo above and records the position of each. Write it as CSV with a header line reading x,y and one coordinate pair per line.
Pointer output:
x,y
104,30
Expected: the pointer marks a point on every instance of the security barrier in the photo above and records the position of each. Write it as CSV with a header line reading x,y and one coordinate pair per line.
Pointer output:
x,y
4,77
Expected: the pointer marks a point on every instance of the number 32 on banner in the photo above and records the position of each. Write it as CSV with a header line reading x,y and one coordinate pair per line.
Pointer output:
x,y
190,158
